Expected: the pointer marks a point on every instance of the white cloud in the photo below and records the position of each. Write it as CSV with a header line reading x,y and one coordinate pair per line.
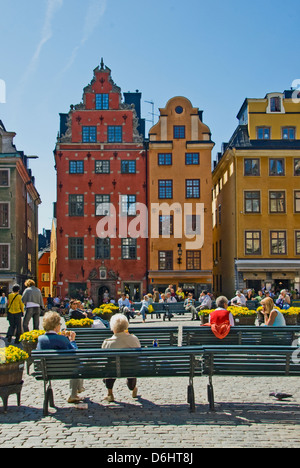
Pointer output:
x,y
96,10
52,7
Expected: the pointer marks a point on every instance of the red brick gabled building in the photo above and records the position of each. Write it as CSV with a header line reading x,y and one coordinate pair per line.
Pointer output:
x,y
101,173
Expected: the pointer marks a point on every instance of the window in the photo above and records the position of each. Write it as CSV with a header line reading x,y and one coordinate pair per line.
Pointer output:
x,y
192,159
29,229
263,133
76,205
276,167
102,101
193,225
102,249
102,167
45,277
252,202
192,188
193,260
297,167
115,134
29,262
278,243
277,202
166,225
297,201
76,167
165,159
4,178
253,243
275,104
129,248
165,260
179,131
4,257
297,239
220,214
76,248
102,205
4,215
288,133
165,189
89,134
128,167
128,205
252,167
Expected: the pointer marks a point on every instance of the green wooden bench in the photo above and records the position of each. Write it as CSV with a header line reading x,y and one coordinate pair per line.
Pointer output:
x,y
274,336
258,361
87,338
100,364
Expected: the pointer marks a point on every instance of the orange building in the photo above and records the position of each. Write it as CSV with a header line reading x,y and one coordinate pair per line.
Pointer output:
x,y
179,199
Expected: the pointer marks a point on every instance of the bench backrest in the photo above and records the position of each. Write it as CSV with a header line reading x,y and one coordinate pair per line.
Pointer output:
x,y
253,360
280,336
88,338
99,364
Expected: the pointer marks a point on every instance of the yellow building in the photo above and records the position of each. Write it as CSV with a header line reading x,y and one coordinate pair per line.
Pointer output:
x,y
256,198
179,191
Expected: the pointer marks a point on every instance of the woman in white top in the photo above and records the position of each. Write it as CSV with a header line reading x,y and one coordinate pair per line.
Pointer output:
x,y
120,340
273,317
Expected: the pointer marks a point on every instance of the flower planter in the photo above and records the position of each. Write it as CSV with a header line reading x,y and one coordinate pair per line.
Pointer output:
x,y
290,319
204,319
243,320
29,346
11,374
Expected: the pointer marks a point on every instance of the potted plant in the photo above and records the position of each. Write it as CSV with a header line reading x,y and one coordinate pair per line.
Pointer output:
x,y
291,315
29,340
204,315
243,315
12,361
106,311
84,323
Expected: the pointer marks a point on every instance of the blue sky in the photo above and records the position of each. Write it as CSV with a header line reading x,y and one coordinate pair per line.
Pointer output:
x,y
216,53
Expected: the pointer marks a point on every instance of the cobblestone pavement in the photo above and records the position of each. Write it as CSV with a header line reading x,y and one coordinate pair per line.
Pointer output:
x,y
245,417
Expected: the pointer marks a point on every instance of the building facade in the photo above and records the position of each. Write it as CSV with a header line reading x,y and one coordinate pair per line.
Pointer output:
x,y
256,198
19,202
101,178
44,272
179,199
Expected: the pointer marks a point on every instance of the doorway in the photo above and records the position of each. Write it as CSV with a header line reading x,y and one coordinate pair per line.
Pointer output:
x,y
134,291
104,295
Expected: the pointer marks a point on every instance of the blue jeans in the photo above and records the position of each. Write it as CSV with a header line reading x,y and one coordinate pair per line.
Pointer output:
x,y
143,311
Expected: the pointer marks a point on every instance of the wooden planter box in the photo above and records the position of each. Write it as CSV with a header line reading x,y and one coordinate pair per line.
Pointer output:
x,y
291,319
245,320
11,374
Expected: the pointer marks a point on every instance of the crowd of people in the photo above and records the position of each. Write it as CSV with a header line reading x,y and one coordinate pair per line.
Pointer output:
x,y
220,320
29,306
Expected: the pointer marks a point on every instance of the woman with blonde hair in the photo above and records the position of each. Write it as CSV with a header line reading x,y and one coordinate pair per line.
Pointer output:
x,y
273,317
65,341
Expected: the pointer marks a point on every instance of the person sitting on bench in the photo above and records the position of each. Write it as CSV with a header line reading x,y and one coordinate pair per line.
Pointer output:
x,y
221,320
120,340
53,340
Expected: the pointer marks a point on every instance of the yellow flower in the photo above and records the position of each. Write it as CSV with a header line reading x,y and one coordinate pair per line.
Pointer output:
x,y
84,323
11,354
33,336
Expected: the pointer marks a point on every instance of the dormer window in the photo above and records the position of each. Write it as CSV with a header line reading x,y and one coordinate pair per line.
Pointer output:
x,y
275,104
